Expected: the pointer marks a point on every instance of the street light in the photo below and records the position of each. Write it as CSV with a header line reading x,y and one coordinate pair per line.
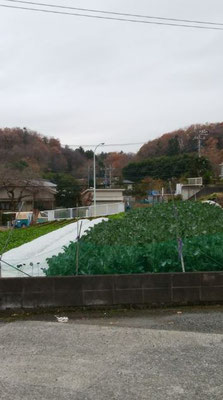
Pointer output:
x,y
94,167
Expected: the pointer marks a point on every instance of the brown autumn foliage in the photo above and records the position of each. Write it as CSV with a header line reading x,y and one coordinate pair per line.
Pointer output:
x,y
184,141
117,161
20,148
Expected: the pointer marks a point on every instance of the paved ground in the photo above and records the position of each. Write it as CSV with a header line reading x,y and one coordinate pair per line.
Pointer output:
x,y
128,355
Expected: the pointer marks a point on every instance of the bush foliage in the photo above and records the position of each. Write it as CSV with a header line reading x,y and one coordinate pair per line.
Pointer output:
x,y
145,240
167,167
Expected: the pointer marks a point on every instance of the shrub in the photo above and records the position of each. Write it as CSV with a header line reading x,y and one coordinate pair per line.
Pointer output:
x,y
144,240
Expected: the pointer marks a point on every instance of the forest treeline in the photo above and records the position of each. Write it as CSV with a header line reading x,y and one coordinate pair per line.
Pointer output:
x,y
27,155
185,141
173,154
21,148
169,167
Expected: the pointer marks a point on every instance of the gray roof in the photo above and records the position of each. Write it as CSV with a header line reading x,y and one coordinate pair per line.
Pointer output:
x,y
44,182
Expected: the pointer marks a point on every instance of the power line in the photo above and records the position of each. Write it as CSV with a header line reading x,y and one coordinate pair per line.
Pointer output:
x,y
17,269
111,18
115,13
105,145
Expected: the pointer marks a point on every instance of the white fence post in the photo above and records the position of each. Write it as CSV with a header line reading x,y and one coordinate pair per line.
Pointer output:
x,y
50,215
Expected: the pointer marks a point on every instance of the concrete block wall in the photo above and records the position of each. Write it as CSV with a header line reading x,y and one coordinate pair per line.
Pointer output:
x,y
112,290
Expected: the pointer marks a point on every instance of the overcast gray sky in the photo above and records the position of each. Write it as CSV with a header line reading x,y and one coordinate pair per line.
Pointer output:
x,y
88,81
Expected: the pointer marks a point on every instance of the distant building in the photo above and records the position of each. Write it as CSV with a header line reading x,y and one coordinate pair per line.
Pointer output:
x,y
221,171
155,196
33,195
189,189
128,184
103,196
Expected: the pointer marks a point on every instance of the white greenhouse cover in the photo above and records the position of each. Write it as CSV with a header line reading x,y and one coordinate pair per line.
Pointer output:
x,y
32,256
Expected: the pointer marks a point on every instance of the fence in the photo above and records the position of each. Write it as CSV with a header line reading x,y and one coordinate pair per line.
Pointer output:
x,y
85,212
195,181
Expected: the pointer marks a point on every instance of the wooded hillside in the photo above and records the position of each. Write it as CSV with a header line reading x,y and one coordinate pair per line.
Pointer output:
x,y
184,141
26,155
165,168
21,148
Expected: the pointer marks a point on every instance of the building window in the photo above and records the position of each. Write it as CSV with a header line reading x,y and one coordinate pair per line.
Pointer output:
x,y
5,206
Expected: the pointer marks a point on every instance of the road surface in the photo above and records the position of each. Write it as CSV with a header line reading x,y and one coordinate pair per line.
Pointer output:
x,y
153,355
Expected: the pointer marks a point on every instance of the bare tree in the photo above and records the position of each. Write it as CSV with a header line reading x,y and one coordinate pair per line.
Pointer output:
x,y
19,185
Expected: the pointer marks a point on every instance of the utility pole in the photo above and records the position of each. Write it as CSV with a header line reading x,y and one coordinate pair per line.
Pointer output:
x,y
110,176
88,176
200,136
94,175
105,178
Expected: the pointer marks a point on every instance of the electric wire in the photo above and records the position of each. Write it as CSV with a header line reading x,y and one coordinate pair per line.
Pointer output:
x,y
116,13
111,18
105,145
211,258
17,269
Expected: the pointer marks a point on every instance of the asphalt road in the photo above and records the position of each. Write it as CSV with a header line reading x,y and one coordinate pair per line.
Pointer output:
x,y
128,355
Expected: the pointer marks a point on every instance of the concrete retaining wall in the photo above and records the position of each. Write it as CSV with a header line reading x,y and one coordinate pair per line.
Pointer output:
x,y
110,290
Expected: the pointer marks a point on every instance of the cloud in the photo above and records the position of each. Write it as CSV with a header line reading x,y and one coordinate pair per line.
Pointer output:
x,y
88,81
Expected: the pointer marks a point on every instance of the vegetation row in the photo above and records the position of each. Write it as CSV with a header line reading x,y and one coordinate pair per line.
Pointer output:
x,y
21,236
147,240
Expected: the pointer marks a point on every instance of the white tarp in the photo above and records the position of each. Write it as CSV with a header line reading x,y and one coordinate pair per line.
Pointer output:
x,y
33,255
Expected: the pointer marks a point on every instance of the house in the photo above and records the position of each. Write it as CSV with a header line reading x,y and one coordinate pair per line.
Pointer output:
x,y
103,196
36,193
128,184
189,189
221,171
209,190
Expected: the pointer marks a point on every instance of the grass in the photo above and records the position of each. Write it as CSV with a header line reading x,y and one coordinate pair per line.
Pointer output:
x,y
17,237
116,216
